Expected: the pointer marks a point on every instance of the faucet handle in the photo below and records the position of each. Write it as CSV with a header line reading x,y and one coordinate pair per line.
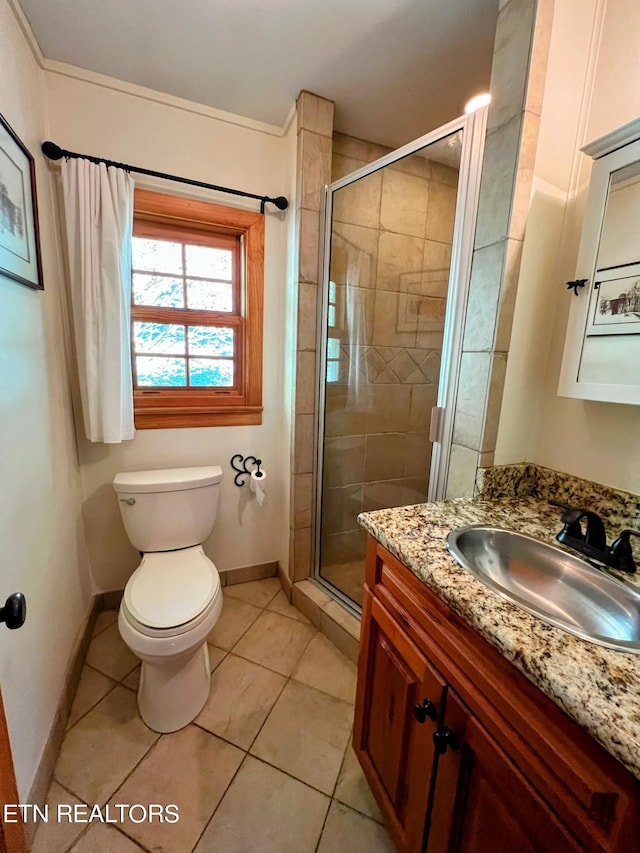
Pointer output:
x,y
572,527
622,551
595,535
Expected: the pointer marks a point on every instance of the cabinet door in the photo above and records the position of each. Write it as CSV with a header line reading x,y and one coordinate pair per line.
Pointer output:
x,y
482,802
398,708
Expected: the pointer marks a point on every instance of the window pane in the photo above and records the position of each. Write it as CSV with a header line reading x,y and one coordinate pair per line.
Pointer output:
x,y
333,348
158,290
210,372
159,371
332,291
156,255
207,262
331,317
332,371
158,338
210,340
210,295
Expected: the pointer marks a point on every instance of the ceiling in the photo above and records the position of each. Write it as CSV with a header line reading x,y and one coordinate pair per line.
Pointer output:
x,y
395,68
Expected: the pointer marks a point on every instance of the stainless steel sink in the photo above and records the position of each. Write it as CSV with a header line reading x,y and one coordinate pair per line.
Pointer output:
x,y
558,588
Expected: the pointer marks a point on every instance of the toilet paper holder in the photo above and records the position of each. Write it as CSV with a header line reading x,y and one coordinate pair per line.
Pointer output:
x,y
244,471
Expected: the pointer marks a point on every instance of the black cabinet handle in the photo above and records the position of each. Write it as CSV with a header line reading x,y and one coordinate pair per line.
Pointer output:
x,y
427,709
445,737
14,611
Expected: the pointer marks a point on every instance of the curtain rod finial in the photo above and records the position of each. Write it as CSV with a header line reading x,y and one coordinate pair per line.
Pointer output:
x,y
281,202
52,151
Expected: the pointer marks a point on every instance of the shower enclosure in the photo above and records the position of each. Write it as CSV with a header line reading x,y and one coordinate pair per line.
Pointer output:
x,y
397,254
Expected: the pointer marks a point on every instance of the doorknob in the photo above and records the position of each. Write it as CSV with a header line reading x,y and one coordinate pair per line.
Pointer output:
x,y
14,611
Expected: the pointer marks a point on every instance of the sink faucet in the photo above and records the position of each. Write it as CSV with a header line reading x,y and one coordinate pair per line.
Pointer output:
x,y
593,541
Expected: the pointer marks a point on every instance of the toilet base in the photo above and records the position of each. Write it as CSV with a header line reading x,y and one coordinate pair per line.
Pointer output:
x,y
173,692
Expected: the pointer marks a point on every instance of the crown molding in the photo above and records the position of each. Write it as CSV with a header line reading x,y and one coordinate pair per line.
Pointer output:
x,y
25,26
63,69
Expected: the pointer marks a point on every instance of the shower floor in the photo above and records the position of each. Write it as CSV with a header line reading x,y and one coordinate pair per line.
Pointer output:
x,y
347,577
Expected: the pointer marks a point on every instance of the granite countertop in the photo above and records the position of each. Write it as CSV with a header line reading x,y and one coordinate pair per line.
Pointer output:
x,y
597,687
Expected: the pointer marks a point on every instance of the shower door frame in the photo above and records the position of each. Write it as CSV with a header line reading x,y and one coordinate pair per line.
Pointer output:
x,y
473,127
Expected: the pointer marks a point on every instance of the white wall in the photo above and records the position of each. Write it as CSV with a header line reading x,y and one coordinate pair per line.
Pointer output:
x,y
104,117
593,86
41,537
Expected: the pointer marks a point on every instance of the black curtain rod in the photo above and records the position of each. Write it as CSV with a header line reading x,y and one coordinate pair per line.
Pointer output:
x,y
54,152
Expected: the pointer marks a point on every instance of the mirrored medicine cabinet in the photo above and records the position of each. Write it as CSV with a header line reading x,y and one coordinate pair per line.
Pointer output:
x,y
602,348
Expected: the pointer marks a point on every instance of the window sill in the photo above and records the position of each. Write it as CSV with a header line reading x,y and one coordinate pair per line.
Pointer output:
x,y
172,419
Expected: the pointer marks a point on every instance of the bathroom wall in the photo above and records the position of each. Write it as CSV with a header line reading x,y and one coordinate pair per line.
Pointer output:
x,y
41,537
98,115
593,87
390,257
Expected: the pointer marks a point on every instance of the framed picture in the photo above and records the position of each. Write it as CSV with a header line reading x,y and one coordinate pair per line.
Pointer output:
x,y
19,236
615,308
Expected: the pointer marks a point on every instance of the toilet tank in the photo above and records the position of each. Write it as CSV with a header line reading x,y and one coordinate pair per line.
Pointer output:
x,y
168,509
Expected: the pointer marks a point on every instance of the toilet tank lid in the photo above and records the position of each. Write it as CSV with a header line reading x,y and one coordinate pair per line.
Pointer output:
x,y
167,479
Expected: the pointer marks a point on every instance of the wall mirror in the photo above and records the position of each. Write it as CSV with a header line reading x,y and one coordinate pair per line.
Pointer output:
x,y
602,348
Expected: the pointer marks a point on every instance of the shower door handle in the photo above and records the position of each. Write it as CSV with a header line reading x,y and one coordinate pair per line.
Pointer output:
x,y
435,426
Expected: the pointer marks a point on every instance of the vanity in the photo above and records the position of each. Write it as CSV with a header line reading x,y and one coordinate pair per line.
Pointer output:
x,y
478,726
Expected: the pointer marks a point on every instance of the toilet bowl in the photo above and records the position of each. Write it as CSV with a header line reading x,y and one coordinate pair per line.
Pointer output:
x,y
174,597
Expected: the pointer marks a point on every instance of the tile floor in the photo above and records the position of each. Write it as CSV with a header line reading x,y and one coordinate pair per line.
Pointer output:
x,y
266,767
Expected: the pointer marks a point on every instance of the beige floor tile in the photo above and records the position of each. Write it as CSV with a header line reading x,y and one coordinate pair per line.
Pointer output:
x,y
236,617
104,839
103,620
258,593
305,735
110,654
324,667
275,641
132,681
348,830
216,656
353,789
190,769
242,695
56,835
92,687
103,747
265,811
280,604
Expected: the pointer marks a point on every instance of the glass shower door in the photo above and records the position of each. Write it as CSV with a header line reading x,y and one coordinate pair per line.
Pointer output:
x,y
387,280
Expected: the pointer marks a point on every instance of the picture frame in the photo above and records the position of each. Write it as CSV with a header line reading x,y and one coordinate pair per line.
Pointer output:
x,y
20,257
615,308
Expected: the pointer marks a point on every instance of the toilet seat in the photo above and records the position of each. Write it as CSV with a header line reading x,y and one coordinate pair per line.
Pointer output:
x,y
171,592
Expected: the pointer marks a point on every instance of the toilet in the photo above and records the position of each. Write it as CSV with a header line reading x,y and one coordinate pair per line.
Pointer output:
x,y
174,597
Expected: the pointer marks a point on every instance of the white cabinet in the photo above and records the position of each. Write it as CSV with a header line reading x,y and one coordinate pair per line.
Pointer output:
x,y
602,348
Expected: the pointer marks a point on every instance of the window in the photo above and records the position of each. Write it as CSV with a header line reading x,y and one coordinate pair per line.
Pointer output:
x,y
196,313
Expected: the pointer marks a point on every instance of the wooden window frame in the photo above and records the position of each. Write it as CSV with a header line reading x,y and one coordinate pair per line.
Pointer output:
x,y
161,215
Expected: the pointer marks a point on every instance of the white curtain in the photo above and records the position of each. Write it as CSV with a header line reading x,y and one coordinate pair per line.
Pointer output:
x,y
98,205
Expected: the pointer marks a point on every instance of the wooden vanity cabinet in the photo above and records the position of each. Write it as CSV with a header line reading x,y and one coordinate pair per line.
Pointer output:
x,y
507,770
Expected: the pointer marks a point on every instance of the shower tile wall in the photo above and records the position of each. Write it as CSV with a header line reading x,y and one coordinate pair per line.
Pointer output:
x,y
392,243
